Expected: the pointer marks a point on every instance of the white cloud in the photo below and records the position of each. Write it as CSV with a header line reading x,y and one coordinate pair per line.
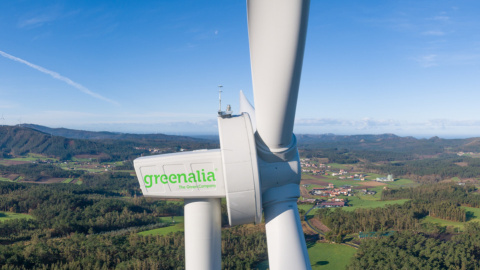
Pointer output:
x,y
173,127
426,61
357,124
36,21
57,76
442,18
433,33
428,127
7,105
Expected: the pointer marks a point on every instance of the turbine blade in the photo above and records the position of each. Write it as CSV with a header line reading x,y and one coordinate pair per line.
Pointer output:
x,y
277,31
246,107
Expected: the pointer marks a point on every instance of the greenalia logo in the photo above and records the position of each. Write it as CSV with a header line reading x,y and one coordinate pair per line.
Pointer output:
x,y
198,176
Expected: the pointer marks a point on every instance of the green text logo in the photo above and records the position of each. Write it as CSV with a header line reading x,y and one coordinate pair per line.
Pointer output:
x,y
198,176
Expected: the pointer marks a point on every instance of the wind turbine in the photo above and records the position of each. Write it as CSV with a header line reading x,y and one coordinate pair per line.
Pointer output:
x,y
257,165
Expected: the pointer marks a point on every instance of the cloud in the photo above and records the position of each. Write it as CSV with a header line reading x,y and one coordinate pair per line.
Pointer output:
x,y
174,127
442,18
59,77
374,123
153,122
426,127
433,33
358,124
7,105
426,61
36,21
453,123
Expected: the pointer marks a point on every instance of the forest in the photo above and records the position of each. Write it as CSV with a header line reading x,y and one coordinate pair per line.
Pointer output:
x,y
440,168
95,225
412,250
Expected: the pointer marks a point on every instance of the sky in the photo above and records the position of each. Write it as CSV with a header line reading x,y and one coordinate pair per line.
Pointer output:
x,y
410,68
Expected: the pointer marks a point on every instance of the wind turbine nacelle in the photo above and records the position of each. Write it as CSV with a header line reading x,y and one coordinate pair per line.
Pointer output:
x,y
230,172
197,174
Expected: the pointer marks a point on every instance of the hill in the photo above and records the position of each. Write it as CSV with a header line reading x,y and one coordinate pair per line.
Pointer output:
x,y
389,142
102,135
21,140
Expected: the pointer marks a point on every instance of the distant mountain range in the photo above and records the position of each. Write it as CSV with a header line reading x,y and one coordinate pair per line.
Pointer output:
x,y
102,135
388,142
66,143
63,142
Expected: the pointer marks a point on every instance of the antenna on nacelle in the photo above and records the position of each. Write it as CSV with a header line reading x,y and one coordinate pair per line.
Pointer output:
x,y
221,113
220,98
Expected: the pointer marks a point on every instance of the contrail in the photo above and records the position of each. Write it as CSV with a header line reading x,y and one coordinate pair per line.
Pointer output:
x,y
57,76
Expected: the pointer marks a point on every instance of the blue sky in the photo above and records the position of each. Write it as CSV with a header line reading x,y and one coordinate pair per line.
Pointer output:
x,y
370,67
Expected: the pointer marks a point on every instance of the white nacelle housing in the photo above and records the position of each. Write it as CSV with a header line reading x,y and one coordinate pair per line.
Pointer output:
x,y
197,174
230,172
239,154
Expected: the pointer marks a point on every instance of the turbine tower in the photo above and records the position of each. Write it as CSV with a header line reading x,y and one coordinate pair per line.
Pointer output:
x,y
257,165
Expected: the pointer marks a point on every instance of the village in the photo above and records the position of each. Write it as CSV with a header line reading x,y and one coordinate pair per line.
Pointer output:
x,y
331,193
323,169
330,196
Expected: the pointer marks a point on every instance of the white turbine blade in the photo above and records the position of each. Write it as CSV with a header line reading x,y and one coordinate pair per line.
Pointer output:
x,y
277,31
246,107
286,244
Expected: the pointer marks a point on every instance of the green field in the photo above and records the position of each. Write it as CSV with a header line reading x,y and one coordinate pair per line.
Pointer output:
x,y
339,166
10,215
305,207
340,182
32,157
330,256
325,256
5,179
443,222
174,227
357,202
473,215
67,181
402,183
373,176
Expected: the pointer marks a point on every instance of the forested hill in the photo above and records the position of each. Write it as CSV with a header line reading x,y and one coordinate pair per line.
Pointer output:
x,y
94,135
388,142
19,140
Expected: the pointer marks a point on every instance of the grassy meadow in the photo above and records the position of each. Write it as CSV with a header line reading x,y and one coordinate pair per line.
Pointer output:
x,y
174,227
325,256
10,215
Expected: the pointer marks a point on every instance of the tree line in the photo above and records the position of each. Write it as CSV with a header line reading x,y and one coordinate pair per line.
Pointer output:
x,y
437,169
60,209
410,250
241,249
95,225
